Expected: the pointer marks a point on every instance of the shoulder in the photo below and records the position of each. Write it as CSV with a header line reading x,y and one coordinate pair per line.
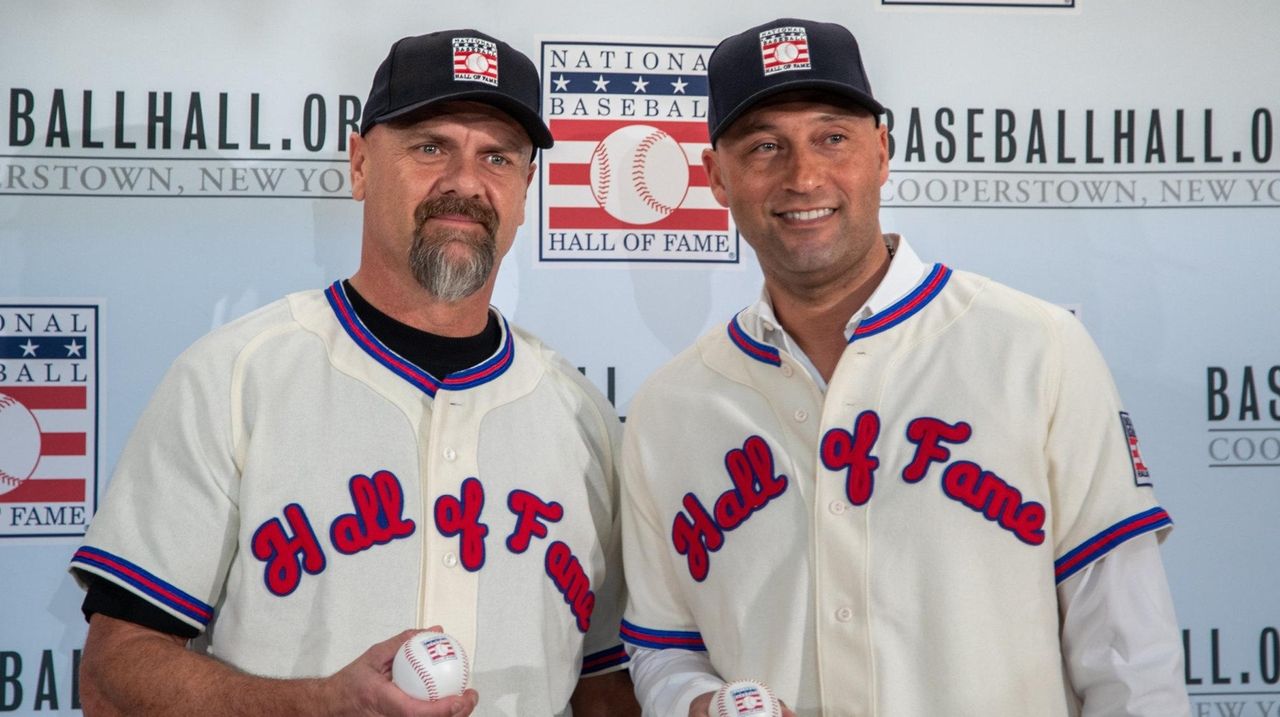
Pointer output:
x,y
1001,308
229,345
565,382
704,367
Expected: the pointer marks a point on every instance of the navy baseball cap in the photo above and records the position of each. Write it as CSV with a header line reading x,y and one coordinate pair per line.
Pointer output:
x,y
456,65
780,56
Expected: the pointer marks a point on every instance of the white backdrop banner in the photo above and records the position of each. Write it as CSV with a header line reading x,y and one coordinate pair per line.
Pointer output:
x,y
165,169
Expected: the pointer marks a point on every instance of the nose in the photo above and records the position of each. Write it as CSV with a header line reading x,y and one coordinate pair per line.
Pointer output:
x,y
802,172
462,177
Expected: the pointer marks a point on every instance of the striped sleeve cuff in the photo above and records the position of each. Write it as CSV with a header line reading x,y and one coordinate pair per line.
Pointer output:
x,y
661,639
123,572
598,662
1102,543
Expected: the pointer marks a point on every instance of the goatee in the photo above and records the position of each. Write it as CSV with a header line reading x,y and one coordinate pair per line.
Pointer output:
x,y
446,272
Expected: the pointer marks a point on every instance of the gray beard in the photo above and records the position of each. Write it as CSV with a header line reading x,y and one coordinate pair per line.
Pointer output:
x,y
446,273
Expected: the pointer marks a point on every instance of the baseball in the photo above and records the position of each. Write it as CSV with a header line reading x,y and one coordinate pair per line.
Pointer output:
x,y
786,52
431,665
639,174
477,63
19,443
745,698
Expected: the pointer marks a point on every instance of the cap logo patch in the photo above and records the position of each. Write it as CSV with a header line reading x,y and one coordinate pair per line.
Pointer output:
x,y
475,60
783,49
1141,475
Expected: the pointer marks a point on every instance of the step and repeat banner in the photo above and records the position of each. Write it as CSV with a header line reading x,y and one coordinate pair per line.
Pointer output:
x,y
165,169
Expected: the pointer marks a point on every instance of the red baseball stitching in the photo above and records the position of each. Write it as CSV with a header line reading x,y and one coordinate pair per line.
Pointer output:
x,y
428,681
602,177
5,402
637,173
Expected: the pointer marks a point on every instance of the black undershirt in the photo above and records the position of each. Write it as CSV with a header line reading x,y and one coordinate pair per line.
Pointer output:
x,y
435,354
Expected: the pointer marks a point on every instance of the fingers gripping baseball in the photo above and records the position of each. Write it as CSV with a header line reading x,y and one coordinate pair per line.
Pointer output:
x,y
364,688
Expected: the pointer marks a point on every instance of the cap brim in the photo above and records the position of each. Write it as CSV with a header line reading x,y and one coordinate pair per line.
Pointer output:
x,y
859,98
523,115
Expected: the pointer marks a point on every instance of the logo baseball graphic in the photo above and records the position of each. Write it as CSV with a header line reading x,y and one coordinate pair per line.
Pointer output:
x,y
745,698
783,49
19,443
639,174
431,665
475,60
625,181
48,418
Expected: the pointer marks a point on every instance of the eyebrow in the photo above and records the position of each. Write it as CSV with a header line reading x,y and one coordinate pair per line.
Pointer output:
x,y
761,126
424,134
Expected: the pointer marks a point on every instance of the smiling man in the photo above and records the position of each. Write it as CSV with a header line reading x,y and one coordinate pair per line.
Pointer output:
x,y
342,467
908,490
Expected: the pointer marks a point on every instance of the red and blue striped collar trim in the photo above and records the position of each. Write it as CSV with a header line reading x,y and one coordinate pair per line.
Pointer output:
x,y
906,307
1102,543
483,373
759,351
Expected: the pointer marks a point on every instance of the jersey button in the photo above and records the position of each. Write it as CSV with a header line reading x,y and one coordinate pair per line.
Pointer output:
x,y
838,507
787,370
801,415
844,614
450,454
450,560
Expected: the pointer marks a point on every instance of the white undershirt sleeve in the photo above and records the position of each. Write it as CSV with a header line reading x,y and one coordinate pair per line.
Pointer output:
x,y
1120,637
666,681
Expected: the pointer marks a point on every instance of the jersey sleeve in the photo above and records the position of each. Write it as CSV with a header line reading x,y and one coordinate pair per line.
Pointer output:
x,y
167,528
1101,486
657,616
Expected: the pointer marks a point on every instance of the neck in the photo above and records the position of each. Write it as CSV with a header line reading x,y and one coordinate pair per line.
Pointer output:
x,y
402,298
816,317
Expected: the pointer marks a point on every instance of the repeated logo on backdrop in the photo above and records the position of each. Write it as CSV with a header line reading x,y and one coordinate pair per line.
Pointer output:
x,y
48,418
625,181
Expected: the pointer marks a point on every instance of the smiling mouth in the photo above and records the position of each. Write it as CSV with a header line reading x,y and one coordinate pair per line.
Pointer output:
x,y
807,215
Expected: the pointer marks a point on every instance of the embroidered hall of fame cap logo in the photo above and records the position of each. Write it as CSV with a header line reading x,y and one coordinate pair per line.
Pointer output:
x,y
475,60
783,49
48,418
624,181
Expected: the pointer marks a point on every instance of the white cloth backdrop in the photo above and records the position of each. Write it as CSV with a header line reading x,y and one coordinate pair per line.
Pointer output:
x,y
165,169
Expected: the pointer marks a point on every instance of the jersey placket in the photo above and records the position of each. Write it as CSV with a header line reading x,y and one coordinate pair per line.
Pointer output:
x,y
796,403
450,589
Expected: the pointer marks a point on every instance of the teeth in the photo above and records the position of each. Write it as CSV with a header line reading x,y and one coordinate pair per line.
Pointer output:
x,y
808,214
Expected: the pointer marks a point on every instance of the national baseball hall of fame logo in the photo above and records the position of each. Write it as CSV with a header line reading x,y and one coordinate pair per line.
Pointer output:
x,y
624,182
48,418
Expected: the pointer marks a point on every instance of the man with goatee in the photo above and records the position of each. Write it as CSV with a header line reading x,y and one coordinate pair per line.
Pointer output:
x,y
342,467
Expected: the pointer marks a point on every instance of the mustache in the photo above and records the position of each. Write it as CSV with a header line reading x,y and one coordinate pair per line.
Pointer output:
x,y
471,208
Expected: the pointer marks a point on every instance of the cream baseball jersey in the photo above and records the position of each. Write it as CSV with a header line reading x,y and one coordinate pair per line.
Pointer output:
x,y
891,548
300,492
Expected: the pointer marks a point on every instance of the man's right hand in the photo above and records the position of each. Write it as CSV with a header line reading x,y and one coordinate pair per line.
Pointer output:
x,y
128,669
364,687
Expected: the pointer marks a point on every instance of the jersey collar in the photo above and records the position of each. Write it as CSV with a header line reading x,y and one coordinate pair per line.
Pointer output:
x,y
908,286
482,373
